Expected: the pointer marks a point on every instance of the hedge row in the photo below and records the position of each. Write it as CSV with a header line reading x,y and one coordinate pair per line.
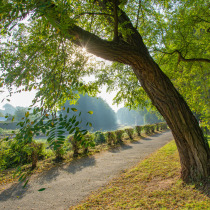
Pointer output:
x,y
13,154
114,137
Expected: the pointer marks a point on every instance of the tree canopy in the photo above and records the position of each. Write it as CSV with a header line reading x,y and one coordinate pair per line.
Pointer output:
x,y
38,53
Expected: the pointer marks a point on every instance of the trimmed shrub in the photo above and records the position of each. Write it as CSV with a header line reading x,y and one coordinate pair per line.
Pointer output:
x,y
138,130
75,146
157,126
99,138
130,132
152,128
147,129
87,142
163,126
111,137
119,134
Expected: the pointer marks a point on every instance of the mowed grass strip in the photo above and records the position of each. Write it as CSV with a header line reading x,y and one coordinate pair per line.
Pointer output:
x,y
154,184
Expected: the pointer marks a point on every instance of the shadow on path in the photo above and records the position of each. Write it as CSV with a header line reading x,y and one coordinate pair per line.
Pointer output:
x,y
16,191
73,167
120,148
78,165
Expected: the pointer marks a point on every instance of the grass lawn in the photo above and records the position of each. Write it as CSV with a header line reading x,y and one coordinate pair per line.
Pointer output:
x,y
153,184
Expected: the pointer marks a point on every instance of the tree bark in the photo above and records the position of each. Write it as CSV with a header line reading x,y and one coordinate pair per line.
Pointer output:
x,y
193,150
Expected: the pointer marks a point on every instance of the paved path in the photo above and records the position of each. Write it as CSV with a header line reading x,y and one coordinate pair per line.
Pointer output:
x,y
69,184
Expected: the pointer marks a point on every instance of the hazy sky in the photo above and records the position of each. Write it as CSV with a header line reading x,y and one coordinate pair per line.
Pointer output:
x,y
25,98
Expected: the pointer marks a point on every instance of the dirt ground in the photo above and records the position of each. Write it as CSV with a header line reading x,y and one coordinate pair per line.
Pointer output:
x,y
69,184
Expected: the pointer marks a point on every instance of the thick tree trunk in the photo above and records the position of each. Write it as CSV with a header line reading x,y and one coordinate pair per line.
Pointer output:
x,y
193,150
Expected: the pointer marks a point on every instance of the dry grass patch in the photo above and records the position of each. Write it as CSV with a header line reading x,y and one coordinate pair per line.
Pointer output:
x,y
153,184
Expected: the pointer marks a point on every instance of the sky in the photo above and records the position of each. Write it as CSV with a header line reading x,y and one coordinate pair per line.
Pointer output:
x,y
24,99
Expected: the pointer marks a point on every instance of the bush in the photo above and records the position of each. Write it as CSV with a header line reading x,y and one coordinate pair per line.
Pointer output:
x,y
157,126
152,128
88,141
138,130
99,138
84,143
130,132
111,137
119,134
14,153
75,146
163,126
147,129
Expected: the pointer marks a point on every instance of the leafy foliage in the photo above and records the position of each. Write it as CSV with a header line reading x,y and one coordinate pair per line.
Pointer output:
x,y
130,133
38,53
111,138
14,153
138,130
99,138
119,135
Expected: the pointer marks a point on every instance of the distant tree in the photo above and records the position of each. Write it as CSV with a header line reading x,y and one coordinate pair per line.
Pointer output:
x,y
151,118
20,113
130,117
9,117
9,109
103,117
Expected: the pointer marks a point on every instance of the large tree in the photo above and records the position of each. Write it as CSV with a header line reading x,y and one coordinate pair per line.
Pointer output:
x,y
41,50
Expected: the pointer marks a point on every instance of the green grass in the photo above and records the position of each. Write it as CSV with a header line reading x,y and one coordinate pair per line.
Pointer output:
x,y
154,184
7,131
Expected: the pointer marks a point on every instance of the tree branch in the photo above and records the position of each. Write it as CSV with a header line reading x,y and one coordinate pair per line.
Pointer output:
x,y
137,21
182,58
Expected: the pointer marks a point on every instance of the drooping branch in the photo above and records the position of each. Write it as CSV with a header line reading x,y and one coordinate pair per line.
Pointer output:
x,y
182,58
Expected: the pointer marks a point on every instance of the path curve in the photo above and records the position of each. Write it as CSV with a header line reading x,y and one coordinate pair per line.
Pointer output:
x,y
71,183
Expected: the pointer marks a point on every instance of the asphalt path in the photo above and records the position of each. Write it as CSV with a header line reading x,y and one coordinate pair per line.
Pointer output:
x,y
69,184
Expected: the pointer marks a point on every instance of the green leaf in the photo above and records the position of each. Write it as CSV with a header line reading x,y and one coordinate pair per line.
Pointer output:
x,y
74,109
90,112
72,130
26,114
42,189
26,183
76,124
